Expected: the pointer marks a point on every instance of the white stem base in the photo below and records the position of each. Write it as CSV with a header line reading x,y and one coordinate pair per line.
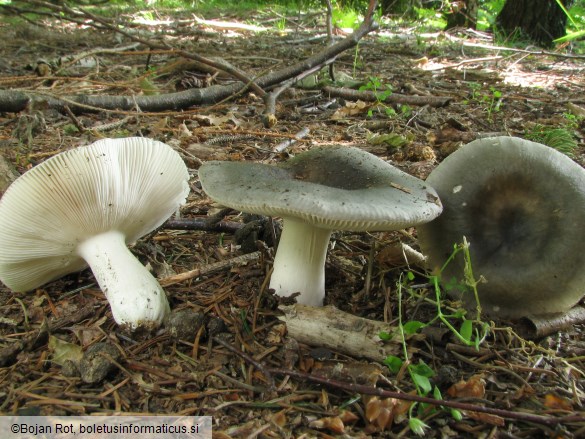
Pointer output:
x,y
299,263
135,296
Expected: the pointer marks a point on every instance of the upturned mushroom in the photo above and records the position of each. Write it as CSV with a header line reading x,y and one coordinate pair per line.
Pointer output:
x,y
521,206
82,207
316,192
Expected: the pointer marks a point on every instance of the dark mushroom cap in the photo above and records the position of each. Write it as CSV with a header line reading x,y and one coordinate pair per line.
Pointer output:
x,y
521,206
337,188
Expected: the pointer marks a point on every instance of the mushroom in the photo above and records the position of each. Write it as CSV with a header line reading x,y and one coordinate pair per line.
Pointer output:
x,y
82,207
324,189
521,206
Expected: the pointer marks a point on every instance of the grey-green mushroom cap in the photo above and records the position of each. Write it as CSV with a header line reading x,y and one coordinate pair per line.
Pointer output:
x,y
521,206
324,189
339,188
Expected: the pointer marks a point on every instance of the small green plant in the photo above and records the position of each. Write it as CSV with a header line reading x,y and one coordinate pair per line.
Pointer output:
x,y
491,100
346,18
471,332
381,92
281,25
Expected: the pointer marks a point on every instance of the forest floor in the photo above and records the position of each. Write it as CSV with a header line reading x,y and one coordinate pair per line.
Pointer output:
x,y
191,370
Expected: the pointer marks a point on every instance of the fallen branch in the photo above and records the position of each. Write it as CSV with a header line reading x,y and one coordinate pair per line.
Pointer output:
x,y
394,98
369,390
203,224
14,101
383,393
334,329
211,268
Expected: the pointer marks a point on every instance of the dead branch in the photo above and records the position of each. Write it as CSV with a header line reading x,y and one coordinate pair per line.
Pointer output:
x,y
529,52
211,268
265,371
334,329
394,98
370,390
14,101
289,142
202,224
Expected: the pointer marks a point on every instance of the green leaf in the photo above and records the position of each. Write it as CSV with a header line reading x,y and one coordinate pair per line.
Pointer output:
x,y
422,383
466,330
410,275
437,393
393,363
422,369
412,327
385,336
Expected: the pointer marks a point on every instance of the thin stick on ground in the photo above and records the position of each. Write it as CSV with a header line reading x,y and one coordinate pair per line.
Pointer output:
x,y
211,268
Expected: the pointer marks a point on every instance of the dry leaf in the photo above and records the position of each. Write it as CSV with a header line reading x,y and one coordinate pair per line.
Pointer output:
x,y
334,424
380,412
350,109
472,388
279,419
555,402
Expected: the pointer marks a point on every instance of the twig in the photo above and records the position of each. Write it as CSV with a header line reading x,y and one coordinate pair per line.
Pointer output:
x,y
112,125
289,142
394,98
530,52
249,359
269,116
211,268
202,224
74,119
369,390
465,61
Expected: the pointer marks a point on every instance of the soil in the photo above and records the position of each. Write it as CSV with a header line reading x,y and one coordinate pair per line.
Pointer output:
x,y
216,356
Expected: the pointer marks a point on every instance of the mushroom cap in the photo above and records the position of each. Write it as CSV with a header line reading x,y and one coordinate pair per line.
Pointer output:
x,y
521,206
337,188
131,185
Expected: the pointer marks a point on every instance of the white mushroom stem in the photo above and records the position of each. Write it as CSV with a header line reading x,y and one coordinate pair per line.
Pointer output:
x,y
135,296
299,263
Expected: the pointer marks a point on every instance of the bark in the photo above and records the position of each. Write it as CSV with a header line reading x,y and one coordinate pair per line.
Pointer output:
x,y
331,328
540,326
540,20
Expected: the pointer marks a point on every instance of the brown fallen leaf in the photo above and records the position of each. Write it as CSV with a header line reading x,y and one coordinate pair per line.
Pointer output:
x,y
555,402
333,423
472,388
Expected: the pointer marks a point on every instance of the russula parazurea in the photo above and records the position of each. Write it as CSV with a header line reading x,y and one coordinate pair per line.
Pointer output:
x,y
316,192
521,206
82,207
